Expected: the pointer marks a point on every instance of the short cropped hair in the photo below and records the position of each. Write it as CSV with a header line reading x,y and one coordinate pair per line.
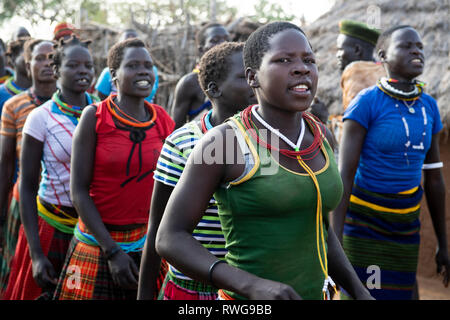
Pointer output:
x,y
385,37
115,54
15,48
257,43
29,46
200,35
215,64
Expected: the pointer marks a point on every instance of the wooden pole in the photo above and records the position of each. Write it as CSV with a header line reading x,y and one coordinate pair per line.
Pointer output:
x,y
213,10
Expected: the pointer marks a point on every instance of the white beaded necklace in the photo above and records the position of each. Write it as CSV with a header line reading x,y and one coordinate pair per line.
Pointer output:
x,y
296,146
405,124
386,85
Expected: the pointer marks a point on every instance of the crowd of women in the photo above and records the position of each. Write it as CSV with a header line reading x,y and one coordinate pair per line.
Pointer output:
x,y
234,192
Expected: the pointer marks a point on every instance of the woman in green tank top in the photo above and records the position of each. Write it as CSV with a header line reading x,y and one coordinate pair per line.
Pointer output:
x,y
274,195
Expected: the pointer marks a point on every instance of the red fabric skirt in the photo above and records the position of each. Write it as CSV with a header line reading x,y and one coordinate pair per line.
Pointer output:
x,y
21,284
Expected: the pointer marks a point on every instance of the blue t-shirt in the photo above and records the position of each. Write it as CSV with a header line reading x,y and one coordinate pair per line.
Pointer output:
x,y
383,166
105,85
4,95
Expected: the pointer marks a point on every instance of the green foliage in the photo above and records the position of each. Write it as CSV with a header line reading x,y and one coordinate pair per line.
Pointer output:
x,y
266,11
95,11
145,12
36,11
169,12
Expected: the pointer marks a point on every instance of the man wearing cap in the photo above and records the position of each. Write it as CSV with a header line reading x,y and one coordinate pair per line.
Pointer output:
x,y
355,54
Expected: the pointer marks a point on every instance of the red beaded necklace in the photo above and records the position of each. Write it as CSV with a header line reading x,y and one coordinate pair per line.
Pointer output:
x,y
306,154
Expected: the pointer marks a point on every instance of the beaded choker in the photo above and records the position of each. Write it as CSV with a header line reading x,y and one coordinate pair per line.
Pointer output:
x,y
12,88
385,85
4,78
206,121
37,100
126,119
67,109
296,146
306,154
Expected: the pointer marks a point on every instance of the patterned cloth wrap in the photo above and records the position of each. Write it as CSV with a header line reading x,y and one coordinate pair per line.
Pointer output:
x,y
54,243
86,274
381,232
179,289
9,236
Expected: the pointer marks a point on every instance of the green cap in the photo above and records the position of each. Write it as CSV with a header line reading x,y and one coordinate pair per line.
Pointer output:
x,y
359,30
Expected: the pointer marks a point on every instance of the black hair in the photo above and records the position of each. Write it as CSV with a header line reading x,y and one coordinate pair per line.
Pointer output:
x,y
215,64
62,45
15,48
200,35
2,44
385,37
115,54
258,42
29,46
241,29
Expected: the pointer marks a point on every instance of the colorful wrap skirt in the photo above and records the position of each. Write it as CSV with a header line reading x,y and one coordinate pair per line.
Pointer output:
x,y
179,289
54,243
222,295
86,274
9,236
381,240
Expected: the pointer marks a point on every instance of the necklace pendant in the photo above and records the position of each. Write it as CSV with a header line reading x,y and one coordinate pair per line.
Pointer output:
x,y
411,110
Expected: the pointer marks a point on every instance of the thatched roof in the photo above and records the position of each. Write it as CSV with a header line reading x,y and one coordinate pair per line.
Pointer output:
x,y
174,49
431,20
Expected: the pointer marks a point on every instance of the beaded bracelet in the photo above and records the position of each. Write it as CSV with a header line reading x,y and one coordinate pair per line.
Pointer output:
x,y
211,270
111,253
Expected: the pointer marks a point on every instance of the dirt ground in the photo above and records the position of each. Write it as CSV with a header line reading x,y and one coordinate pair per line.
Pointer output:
x,y
430,284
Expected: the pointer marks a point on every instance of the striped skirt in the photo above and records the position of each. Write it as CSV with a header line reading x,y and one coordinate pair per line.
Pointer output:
x,y
381,240
9,236
179,289
86,274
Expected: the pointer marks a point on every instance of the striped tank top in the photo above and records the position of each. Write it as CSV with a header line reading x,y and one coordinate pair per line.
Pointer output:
x,y
175,152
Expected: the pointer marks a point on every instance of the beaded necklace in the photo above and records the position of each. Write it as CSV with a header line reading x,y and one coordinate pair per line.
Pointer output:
x,y
4,78
126,119
12,88
67,109
312,150
138,134
206,121
412,97
296,146
318,132
408,143
37,100
384,85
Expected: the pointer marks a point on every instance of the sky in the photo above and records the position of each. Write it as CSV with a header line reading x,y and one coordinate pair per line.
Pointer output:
x,y
311,9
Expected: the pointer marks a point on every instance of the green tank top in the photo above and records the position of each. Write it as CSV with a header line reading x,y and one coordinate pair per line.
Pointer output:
x,y
269,220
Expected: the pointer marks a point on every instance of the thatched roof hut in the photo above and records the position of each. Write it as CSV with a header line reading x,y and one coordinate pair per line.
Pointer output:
x,y
174,52
431,20
172,48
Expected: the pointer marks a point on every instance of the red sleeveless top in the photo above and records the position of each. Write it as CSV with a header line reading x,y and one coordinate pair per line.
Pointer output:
x,y
122,181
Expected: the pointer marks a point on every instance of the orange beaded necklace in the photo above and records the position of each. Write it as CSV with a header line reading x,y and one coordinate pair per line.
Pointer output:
x,y
127,119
